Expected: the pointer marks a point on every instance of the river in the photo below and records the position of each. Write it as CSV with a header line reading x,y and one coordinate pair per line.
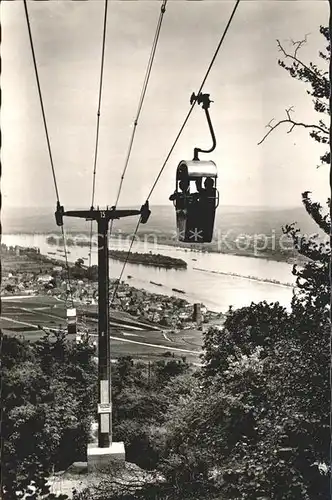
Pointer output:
x,y
200,281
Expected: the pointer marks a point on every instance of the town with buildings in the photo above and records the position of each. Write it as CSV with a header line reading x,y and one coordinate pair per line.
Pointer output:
x,y
27,272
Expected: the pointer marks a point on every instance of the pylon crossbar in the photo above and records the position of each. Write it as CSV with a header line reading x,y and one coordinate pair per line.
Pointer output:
x,y
101,214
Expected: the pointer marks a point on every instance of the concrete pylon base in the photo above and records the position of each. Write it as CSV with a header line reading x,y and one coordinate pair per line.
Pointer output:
x,y
103,459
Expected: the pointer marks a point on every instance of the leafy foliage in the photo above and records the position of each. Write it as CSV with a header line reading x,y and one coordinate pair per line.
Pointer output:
x,y
244,329
48,393
313,278
141,395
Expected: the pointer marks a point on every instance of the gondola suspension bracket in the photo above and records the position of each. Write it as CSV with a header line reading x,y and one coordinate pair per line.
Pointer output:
x,y
205,100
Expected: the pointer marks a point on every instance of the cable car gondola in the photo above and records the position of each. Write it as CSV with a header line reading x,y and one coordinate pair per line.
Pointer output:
x,y
195,197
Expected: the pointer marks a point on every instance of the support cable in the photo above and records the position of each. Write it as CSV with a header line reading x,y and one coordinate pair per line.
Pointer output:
x,y
48,141
98,123
177,138
141,100
125,263
194,102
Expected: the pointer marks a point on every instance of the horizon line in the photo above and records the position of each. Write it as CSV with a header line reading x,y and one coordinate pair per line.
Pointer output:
x,y
51,208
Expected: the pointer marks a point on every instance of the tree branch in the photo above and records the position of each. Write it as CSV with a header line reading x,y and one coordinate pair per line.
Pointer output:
x,y
299,44
292,124
294,57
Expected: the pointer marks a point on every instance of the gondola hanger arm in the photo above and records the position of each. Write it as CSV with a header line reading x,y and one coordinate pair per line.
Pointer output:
x,y
205,100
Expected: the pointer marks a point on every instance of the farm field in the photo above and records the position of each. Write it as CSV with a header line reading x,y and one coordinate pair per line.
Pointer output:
x,y
31,317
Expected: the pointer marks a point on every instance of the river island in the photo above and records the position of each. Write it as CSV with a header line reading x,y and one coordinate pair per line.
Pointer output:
x,y
146,259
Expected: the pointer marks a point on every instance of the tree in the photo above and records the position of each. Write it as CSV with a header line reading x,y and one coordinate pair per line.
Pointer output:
x,y
313,280
318,80
245,329
267,420
164,372
48,394
79,263
92,273
51,240
141,395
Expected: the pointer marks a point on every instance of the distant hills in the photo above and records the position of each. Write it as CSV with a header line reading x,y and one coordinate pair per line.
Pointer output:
x,y
233,221
248,220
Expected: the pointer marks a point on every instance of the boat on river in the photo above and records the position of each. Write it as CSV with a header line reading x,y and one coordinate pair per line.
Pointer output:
x,y
157,284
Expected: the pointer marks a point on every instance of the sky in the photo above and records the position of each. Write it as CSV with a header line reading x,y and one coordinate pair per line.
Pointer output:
x,y
246,83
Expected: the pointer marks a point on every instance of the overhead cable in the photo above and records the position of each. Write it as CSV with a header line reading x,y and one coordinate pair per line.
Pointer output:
x,y
98,122
141,100
47,140
194,102
178,136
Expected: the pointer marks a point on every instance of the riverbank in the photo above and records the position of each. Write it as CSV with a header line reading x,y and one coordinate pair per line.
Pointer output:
x,y
40,274
146,259
254,232
253,278
252,246
216,291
